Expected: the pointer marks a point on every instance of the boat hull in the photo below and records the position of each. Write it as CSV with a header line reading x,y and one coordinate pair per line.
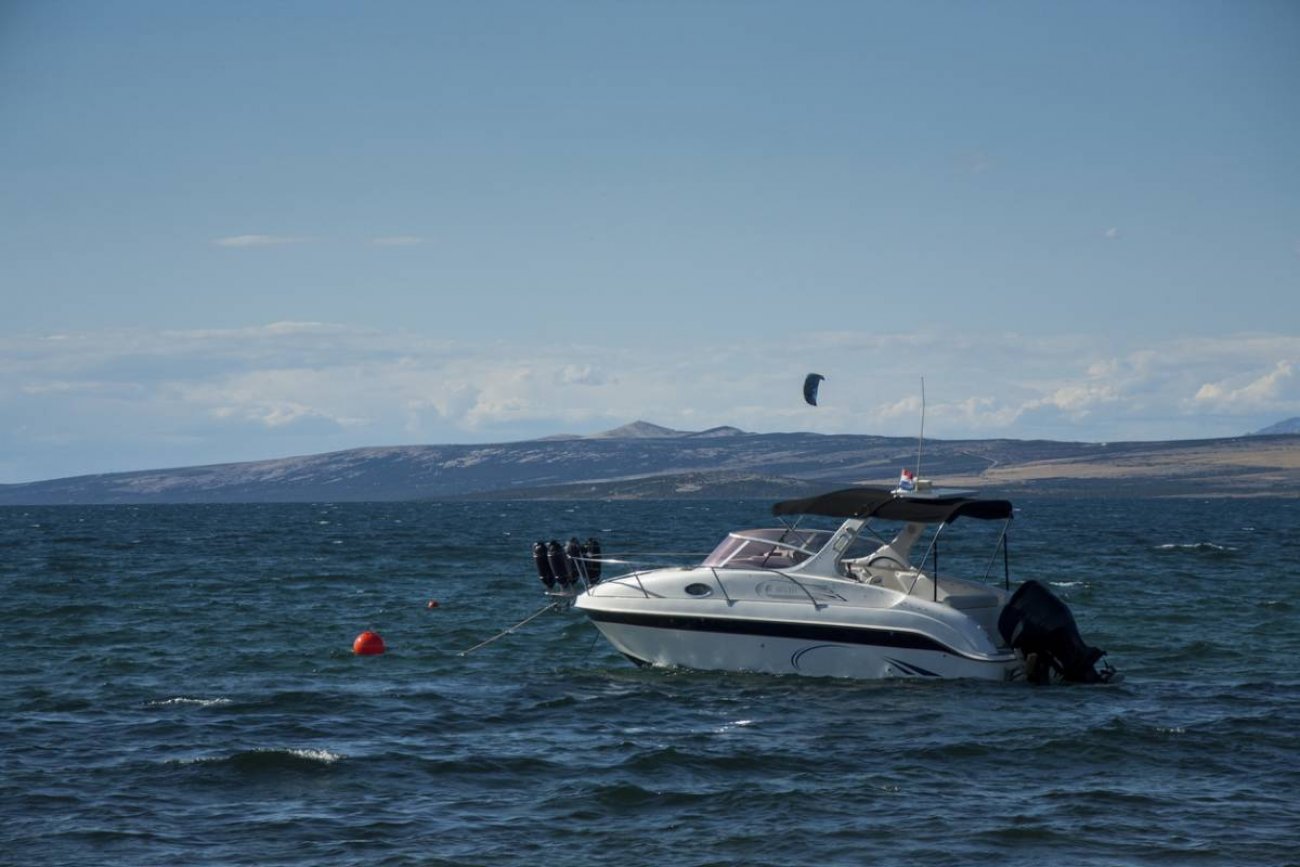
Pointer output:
x,y
789,647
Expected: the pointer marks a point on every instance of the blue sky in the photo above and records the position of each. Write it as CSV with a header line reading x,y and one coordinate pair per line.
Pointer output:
x,y
246,230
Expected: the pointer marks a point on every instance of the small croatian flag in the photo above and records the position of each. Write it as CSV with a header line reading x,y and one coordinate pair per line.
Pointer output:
x,y
907,481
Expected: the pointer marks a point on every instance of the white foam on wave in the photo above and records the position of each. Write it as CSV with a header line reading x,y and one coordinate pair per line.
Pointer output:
x,y
325,756
1194,546
197,702
738,724
1066,583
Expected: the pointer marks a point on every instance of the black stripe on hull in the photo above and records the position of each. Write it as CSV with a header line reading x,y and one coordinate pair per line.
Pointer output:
x,y
867,635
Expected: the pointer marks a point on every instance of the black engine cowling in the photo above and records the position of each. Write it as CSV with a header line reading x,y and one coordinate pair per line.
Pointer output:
x,y
573,552
591,550
1036,622
544,571
559,562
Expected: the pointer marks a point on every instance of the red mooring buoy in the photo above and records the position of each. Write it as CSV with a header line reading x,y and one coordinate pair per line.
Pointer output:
x,y
368,644
433,603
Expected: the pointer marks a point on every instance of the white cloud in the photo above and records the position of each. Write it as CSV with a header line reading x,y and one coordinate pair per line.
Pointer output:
x,y
1078,398
1267,390
85,388
272,414
977,415
1103,367
276,329
581,374
257,240
283,240
908,406
397,241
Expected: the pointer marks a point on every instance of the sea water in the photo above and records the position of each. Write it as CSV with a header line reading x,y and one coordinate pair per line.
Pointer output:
x,y
179,688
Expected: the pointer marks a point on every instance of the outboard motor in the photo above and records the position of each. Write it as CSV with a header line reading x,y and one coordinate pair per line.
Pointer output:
x,y
1036,622
559,563
543,564
591,550
573,551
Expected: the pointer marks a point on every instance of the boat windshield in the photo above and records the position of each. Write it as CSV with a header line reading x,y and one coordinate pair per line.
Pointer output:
x,y
774,548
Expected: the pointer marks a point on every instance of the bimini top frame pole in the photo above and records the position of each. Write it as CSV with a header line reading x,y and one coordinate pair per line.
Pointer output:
x,y
1002,543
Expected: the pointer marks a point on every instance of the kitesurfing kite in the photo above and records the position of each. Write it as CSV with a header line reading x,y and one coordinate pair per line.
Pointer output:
x,y
810,384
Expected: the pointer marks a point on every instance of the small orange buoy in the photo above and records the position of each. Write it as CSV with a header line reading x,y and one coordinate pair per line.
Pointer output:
x,y
368,644
433,603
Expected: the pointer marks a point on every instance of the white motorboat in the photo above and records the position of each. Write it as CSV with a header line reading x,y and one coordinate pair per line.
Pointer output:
x,y
848,602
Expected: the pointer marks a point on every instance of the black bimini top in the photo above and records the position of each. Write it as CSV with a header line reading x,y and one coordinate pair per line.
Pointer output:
x,y
885,504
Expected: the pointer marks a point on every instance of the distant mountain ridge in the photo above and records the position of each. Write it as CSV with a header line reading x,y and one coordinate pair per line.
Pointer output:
x,y
646,430
646,460
639,430
1289,426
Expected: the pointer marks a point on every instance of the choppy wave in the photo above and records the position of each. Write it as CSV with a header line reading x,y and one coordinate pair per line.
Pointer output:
x,y
318,755
1199,547
269,759
197,702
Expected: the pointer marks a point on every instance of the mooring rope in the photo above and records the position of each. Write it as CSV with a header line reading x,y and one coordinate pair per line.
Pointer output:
x,y
506,632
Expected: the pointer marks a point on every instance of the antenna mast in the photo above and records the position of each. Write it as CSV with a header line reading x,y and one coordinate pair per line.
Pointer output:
x,y
920,440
